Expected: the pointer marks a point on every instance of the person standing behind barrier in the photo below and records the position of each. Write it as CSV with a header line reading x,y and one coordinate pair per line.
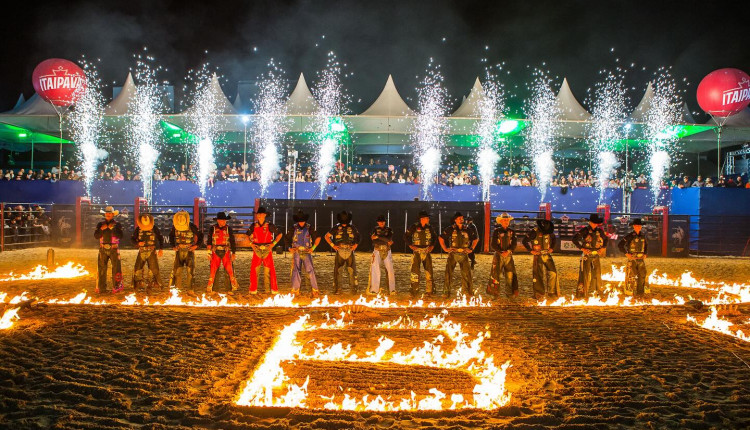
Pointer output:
x,y
458,241
420,238
592,241
221,250
344,239
541,243
504,241
382,239
302,240
635,247
185,239
471,226
109,232
148,238
263,237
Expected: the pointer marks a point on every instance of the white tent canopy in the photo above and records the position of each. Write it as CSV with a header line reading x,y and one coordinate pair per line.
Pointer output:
x,y
389,102
301,101
121,103
35,106
568,106
238,102
740,119
225,106
640,112
470,107
19,103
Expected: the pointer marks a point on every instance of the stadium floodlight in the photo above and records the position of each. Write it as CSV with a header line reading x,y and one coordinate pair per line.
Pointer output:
x,y
509,126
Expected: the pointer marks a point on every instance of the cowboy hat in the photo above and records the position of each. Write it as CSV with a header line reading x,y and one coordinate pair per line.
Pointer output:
x,y
261,210
545,226
109,210
380,218
423,214
456,215
344,217
145,222
504,215
222,215
300,216
596,219
181,221
636,221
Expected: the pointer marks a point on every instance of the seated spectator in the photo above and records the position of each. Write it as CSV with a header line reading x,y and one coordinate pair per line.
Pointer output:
x,y
699,182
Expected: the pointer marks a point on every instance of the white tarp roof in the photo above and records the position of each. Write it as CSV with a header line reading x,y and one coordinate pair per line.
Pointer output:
x,y
19,103
120,104
238,102
389,102
640,112
301,101
741,119
568,106
470,105
35,106
225,106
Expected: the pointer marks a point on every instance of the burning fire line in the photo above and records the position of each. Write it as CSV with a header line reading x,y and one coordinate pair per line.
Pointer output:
x,y
68,270
488,393
6,321
715,323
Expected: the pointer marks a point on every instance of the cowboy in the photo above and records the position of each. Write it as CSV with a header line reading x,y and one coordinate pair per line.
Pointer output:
x,y
382,239
109,233
185,238
635,247
471,226
263,237
148,238
220,237
344,239
420,238
504,241
592,241
302,240
541,243
458,241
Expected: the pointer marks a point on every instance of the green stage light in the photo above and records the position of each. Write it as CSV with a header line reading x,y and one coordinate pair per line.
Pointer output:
x,y
22,134
336,125
680,131
176,135
509,126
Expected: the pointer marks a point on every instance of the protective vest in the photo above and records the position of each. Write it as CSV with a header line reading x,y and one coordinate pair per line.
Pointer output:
x,y
542,241
383,233
184,239
220,236
593,240
637,245
262,234
460,238
422,236
108,238
344,235
301,236
504,239
148,237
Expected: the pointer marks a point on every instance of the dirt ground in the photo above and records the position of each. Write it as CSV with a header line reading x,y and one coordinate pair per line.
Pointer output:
x,y
176,367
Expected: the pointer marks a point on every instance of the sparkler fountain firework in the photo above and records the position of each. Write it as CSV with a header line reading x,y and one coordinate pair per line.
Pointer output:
x,y
204,121
143,124
270,125
491,107
86,123
430,126
329,93
543,113
606,128
661,116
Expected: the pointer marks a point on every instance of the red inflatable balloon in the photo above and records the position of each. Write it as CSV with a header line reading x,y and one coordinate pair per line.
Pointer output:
x,y
724,92
60,82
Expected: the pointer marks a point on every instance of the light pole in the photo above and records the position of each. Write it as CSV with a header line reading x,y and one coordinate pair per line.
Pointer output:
x,y
626,183
245,119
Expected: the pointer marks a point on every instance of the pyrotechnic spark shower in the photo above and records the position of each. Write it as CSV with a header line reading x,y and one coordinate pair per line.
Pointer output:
x,y
430,126
606,128
270,124
204,119
143,125
661,116
491,108
542,111
86,123
329,93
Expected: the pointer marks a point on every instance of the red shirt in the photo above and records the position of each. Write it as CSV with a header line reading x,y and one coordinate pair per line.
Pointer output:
x,y
262,234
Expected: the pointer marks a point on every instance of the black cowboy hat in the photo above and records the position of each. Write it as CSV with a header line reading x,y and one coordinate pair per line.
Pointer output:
x,y
636,221
545,225
344,217
380,218
456,215
423,214
596,219
222,215
300,216
261,210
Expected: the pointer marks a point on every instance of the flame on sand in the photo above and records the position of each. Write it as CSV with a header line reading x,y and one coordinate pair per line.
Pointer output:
x,y
488,393
715,323
68,270
6,321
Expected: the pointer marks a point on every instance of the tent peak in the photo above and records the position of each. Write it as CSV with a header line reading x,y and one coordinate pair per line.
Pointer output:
x,y
389,102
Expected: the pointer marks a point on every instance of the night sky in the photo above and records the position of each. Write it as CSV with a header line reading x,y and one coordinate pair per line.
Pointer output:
x,y
375,38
